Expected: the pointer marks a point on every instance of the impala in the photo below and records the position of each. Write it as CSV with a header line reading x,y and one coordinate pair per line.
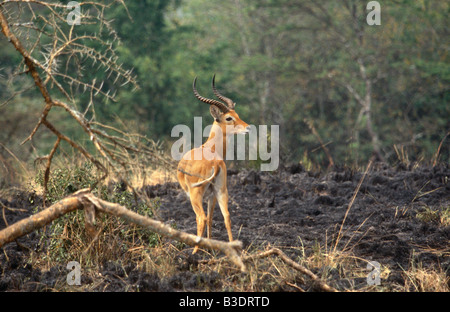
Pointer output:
x,y
202,172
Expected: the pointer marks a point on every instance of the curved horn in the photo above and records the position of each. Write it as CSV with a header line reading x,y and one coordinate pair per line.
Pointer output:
x,y
229,102
223,108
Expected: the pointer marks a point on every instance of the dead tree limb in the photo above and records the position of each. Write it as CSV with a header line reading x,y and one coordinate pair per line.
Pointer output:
x,y
68,47
38,220
31,64
277,252
85,200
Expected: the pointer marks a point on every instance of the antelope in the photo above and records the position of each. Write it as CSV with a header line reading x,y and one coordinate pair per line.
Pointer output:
x,y
202,172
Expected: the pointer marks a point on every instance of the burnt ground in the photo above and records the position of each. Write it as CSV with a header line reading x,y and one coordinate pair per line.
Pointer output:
x,y
297,208
389,222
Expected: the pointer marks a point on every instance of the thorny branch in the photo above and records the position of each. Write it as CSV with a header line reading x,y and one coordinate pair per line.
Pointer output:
x,y
60,65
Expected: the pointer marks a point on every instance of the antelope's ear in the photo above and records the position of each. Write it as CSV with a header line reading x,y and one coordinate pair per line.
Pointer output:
x,y
215,112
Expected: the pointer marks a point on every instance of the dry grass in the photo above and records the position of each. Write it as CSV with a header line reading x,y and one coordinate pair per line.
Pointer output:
x,y
127,246
168,262
124,246
421,279
440,216
150,176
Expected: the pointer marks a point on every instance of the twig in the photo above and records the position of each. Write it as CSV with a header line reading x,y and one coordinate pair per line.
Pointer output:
x,y
325,149
47,167
351,204
275,251
436,155
31,64
15,157
295,286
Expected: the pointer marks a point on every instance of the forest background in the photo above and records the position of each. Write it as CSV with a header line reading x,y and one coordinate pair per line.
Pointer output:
x,y
315,68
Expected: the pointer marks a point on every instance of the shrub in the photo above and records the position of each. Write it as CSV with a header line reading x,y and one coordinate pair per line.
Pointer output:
x,y
66,238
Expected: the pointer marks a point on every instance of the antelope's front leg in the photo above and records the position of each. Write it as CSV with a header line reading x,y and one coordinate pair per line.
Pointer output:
x,y
222,198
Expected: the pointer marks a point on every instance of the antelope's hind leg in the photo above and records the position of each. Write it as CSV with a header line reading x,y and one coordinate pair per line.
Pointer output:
x,y
209,216
200,217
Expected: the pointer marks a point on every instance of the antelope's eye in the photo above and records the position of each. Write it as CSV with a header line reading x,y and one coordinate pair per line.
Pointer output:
x,y
229,119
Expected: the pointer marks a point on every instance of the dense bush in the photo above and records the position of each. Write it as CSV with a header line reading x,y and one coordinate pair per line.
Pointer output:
x,y
66,238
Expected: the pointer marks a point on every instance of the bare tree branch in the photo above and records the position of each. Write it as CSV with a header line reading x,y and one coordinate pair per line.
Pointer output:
x,y
277,252
31,64
59,65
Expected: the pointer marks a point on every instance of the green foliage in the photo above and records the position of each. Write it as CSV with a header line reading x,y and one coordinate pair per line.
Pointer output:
x,y
282,61
439,216
115,233
65,181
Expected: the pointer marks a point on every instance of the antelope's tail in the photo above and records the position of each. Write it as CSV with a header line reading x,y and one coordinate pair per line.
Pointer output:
x,y
213,174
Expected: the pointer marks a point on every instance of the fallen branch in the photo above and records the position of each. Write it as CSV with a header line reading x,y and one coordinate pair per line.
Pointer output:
x,y
277,252
34,222
83,199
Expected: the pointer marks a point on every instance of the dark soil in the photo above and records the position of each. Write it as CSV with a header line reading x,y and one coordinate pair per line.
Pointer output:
x,y
289,207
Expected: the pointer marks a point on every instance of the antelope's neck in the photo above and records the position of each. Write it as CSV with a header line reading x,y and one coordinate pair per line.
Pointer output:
x,y
217,141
